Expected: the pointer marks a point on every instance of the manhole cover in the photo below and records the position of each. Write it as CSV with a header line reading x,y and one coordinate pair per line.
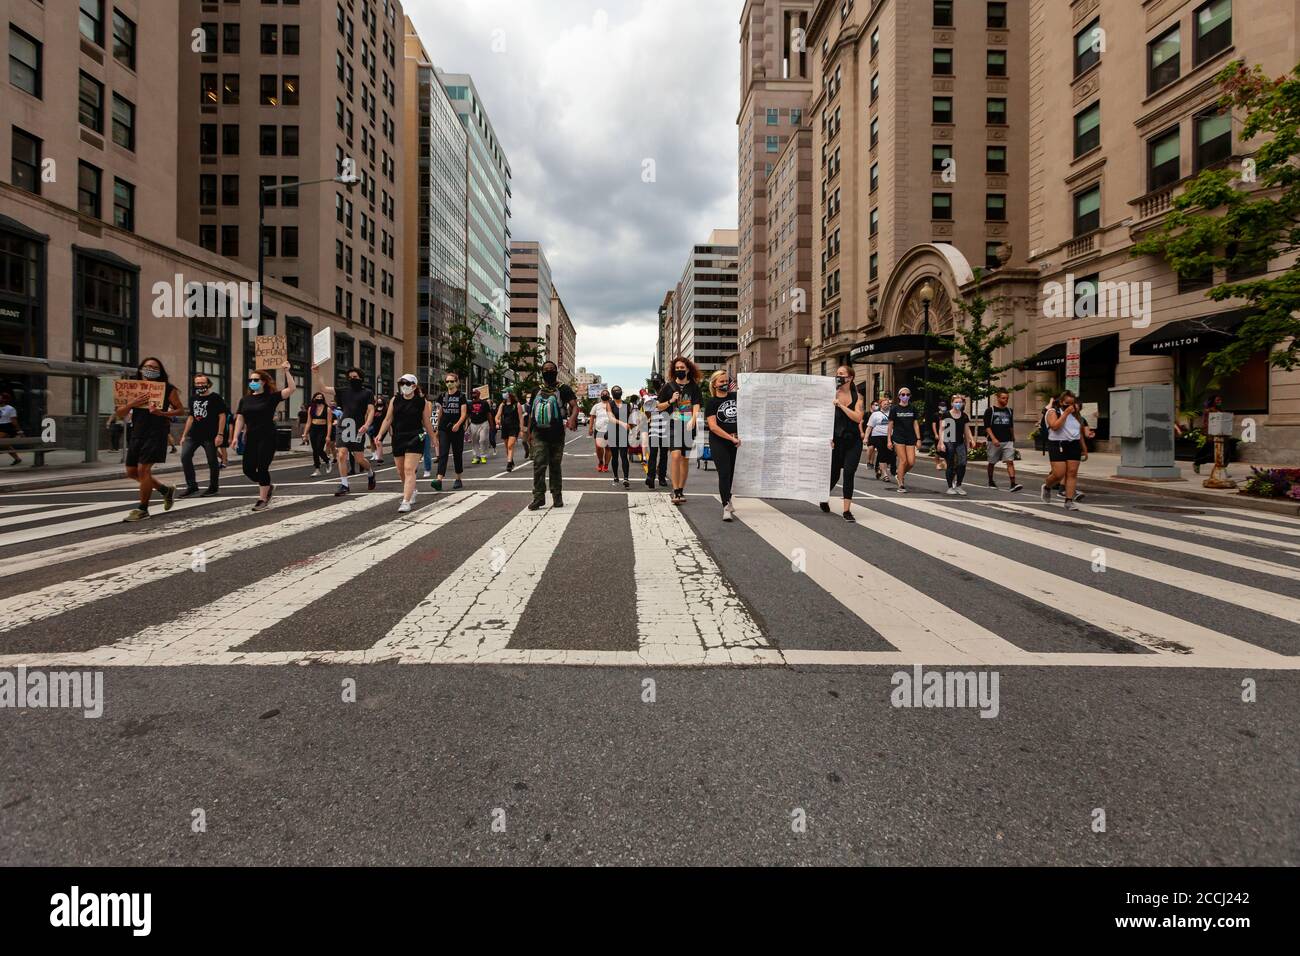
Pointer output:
x,y
1167,510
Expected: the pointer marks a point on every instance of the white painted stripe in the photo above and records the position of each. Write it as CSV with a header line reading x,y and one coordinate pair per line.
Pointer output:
x,y
1220,589
1237,522
1218,534
920,627
1162,633
39,514
475,610
1115,532
117,511
685,609
225,625
148,533
15,509
47,602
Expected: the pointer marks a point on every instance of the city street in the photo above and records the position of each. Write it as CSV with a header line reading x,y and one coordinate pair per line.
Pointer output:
x,y
622,681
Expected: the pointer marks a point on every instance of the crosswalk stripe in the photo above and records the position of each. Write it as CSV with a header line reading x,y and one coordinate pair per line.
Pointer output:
x,y
686,610
1238,522
1221,589
1179,546
1161,632
56,513
56,599
215,629
473,612
919,626
84,549
116,512
1218,534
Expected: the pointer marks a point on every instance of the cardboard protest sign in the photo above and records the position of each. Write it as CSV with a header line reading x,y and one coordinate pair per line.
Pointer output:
x,y
322,347
128,390
272,352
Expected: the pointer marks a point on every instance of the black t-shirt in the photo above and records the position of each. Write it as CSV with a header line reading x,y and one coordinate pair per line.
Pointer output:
x,y
953,430
690,397
354,402
451,404
146,426
556,431
206,410
724,410
259,412
480,409
1001,423
904,419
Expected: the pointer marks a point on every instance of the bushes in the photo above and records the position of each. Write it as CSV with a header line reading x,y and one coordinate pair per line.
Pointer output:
x,y
1273,483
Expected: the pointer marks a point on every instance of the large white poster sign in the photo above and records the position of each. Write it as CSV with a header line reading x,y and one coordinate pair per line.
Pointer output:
x,y
785,424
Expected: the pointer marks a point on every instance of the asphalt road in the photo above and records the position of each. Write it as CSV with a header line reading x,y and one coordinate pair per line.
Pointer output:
x,y
502,712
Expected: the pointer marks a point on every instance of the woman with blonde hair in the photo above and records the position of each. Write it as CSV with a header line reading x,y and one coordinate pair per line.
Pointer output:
x,y
720,417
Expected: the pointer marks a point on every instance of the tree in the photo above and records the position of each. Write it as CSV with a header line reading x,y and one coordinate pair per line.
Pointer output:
x,y
1239,219
975,344
525,365
460,348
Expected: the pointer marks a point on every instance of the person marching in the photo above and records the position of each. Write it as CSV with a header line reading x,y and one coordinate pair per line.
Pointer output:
x,y
878,436
1066,447
357,415
656,436
409,420
453,413
618,435
553,409
319,431
480,413
873,456
955,437
204,428
681,398
598,428
255,423
148,443
901,437
381,412
846,441
9,425
720,415
1000,430
510,424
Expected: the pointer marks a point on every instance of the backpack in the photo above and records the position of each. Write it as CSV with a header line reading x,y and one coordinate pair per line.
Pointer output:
x,y
546,409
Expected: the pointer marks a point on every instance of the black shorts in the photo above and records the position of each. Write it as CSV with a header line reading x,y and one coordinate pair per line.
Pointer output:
x,y
147,450
682,440
1065,450
408,445
353,446
9,430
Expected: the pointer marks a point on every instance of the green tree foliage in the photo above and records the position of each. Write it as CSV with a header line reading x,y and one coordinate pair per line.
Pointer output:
x,y
975,343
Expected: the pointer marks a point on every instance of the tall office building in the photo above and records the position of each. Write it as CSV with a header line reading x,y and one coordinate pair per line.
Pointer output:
x,y
775,89
707,301
789,229
562,348
670,343
279,93
530,297
488,235
435,171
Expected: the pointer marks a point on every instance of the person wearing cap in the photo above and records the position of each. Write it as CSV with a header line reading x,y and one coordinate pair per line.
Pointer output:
x,y
409,419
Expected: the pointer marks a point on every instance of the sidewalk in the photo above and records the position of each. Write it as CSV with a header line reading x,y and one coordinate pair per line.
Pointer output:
x,y
1099,472
58,474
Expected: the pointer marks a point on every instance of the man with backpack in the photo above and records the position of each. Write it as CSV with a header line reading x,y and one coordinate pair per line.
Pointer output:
x,y
551,410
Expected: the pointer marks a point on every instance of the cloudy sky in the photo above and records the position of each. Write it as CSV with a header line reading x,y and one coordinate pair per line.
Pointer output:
x,y
581,94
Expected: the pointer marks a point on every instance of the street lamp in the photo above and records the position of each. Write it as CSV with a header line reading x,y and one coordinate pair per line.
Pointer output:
x,y
927,296
807,365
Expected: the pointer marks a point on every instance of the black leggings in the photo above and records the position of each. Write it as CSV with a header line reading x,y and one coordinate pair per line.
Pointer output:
x,y
884,457
453,443
316,435
955,456
259,451
617,453
723,454
845,458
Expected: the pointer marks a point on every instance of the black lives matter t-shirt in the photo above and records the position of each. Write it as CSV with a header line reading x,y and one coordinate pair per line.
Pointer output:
x,y
904,419
450,404
724,410
1000,423
206,410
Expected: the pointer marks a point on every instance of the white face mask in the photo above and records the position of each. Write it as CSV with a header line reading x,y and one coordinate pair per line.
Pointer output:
x,y
408,391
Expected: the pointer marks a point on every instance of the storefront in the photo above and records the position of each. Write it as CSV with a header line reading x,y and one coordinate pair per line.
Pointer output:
x,y
210,351
298,338
106,317
898,361
22,313
1189,343
1098,358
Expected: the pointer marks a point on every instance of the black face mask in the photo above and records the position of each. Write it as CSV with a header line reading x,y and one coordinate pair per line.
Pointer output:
x,y
617,395
550,378
354,384
681,376
200,389
840,380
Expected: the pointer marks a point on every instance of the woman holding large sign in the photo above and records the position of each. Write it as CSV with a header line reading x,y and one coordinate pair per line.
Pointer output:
x,y
151,404
256,422
846,439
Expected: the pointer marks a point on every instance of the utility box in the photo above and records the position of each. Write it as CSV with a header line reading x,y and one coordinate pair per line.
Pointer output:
x,y
1142,419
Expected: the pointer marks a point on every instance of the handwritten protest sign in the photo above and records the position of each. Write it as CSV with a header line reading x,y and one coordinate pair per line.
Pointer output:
x,y
126,391
272,351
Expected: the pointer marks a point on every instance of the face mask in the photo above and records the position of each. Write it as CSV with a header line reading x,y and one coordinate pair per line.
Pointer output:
x,y
958,406
354,384
152,374
200,390
904,399
681,376
840,380
408,391
255,387
618,395
550,378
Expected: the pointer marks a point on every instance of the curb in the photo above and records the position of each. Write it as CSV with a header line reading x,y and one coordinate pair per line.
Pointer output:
x,y
100,477
1281,507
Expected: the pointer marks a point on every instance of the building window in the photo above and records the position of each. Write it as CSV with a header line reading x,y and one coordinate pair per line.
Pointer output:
x,y
875,87
875,41
943,13
1087,130
289,242
92,21
90,109
1164,60
270,39
1196,281
230,241
123,122
1163,156
230,89
939,156
991,258
997,15
230,139
942,62
24,62
1087,46
875,132
230,190
875,176
874,228
1213,139
25,172
270,90
288,141
796,117
773,143
123,205
208,89
995,159
995,207
996,111
941,111
941,206
1087,210
773,117
995,63
1213,29
267,139
123,40
290,195
289,90
208,238
88,186
208,139
1245,262
207,189
874,266
269,199
290,45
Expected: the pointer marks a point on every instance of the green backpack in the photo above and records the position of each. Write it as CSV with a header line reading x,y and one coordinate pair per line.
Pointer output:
x,y
546,412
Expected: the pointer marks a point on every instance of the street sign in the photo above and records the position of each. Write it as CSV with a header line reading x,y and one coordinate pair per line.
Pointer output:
x,y
1073,348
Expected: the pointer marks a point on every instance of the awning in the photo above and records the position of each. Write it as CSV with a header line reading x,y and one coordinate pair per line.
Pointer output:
x,y
1212,331
865,351
1102,349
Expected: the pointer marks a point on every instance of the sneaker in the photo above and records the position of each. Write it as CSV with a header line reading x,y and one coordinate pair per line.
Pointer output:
x,y
1017,487
993,484
961,491
428,474
270,493
510,466
1070,505
536,505
458,485
731,506
650,483
168,497
404,508
187,493
210,493
558,503
902,490
436,484
626,484
1047,495
1079,496
951,492
615,482
343,490
260,506
315,474
848,516
370,480
726,515
137,514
